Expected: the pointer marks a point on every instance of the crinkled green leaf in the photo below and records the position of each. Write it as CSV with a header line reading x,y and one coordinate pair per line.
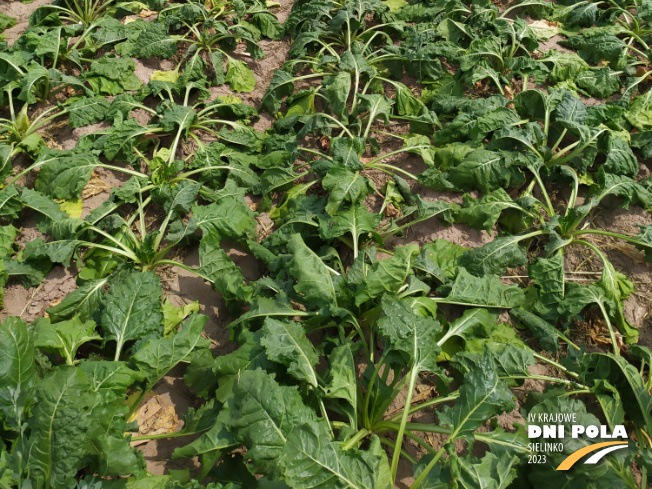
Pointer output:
x,y
17,371
285,342
387,275
239,76
87,110
154,41
314,281
156,357
356,220
406,332
230,217
482,396
483,213
132,308
487,291
59,425
64,337
217,267
601,83
64,174
439,258
84,301
310,459
542,330
262,415
344,185
491,472
282,85
494,257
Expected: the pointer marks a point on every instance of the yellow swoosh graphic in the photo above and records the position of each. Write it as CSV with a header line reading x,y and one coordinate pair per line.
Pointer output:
x,y
575,456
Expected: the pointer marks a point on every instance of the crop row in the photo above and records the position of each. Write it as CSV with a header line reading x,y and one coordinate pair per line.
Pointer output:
x,y
343,326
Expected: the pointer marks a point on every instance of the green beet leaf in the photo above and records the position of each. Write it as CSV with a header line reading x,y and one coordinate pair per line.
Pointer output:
x,y
250,356
471,319
545,332
132,309
439,258
262,415
216,266
229,217
344,185
314,281
486,171
482,396
154,41
64,173
210,445
356,221
342,380
156,357
17,371
285,342
483,213
387,275
59,427
239,76
84,301
486,291
494,257
87,110
628,382
490,472
410,334
64,337
310,459
282,85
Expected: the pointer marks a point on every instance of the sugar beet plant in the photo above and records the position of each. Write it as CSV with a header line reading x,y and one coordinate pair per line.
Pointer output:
x,y
360,357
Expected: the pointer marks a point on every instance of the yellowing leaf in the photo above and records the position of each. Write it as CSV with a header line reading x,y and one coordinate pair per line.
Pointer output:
x,y
170,76
229,99
72,207
395,5
544,29
173,316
